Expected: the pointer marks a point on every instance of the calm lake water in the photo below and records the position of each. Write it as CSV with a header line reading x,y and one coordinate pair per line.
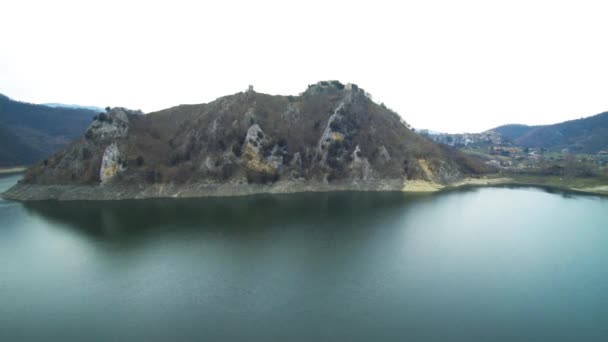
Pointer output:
x,y
487,264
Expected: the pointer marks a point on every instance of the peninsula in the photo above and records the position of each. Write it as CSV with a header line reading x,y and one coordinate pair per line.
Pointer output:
x,y
330,137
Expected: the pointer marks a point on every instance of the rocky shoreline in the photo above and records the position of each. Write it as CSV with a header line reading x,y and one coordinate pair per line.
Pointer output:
x,y
109,192
37,192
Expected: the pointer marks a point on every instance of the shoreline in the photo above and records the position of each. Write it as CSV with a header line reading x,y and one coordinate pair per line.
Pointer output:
x,y
9,170
596,191
591,185
110,192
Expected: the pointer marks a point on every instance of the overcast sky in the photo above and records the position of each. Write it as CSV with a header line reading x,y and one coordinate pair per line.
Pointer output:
x,y
451,66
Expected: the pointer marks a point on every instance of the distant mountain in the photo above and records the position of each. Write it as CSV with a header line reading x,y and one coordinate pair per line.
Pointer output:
x,y
513,131
73,106
587,135
30,132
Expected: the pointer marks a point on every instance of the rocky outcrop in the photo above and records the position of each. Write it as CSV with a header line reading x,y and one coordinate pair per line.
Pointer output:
x,y
112,163
360,167
254,138
329,134
111,125
331,137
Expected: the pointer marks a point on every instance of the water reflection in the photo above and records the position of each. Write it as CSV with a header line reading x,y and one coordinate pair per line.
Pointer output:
x,y
131,219
238,214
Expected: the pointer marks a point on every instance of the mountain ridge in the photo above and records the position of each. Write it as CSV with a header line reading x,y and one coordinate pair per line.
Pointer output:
x,y
73,106
31,132
585,135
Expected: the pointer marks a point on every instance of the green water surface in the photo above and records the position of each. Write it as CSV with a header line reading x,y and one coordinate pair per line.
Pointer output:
x,y
486,264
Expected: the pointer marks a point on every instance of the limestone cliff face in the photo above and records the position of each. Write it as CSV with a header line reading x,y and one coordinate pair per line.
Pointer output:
x,y
95,158
330,134
112,163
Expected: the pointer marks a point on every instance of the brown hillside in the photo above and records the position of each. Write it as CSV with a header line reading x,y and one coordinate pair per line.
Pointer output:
x,y
330,133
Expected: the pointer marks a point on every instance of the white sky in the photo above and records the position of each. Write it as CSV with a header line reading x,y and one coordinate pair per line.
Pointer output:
x,y
451,66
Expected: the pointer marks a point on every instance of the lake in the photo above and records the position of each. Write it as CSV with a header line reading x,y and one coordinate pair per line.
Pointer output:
x,y
483,264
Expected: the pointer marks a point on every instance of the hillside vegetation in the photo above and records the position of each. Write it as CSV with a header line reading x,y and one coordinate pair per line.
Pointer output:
x,y
330,133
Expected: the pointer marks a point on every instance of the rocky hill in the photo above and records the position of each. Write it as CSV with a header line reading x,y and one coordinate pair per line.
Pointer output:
x,y
330,137
30,132
586,135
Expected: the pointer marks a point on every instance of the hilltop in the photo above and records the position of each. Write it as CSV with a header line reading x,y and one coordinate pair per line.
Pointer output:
x,y
330,137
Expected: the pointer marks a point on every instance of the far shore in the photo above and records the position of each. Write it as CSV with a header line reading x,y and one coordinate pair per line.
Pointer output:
x,y
590,185
8,170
